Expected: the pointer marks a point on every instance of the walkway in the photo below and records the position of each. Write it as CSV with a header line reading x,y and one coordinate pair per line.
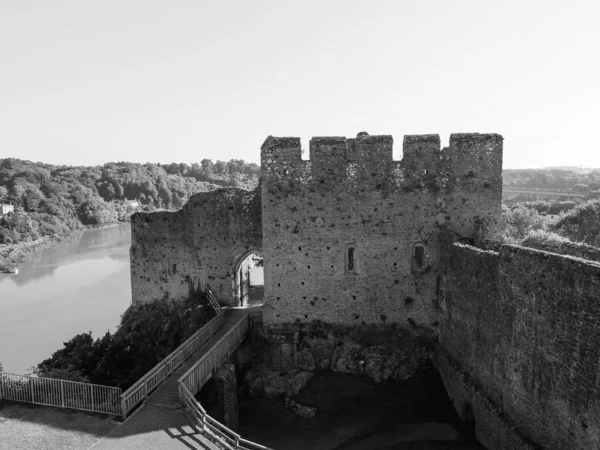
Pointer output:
x,y
161,424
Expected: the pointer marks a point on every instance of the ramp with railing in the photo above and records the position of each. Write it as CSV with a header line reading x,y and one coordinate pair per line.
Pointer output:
x,y
212,345
142,388
215,429
193,380
203,369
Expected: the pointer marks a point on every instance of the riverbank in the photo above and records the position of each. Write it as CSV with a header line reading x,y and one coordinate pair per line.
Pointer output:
x,y
13,255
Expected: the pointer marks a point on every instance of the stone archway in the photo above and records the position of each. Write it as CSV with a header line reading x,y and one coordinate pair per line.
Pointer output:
x,y
247,279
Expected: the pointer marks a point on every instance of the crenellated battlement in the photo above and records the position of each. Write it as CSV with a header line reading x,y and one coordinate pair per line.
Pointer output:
x,y
365,146
368,160
280,149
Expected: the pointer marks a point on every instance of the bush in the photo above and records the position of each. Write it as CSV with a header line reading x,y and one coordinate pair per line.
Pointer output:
x,y
146,335
555,243
517,222
581,224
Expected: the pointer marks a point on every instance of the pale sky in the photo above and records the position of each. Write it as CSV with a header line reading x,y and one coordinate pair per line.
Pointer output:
x,y
91,81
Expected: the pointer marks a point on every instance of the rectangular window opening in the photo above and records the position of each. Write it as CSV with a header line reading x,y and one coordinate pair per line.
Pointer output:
x,y
351,259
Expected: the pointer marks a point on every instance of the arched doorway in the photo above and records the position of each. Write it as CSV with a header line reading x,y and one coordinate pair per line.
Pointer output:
x,y
248,280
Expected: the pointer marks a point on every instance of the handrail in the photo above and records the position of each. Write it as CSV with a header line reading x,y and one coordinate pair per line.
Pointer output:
x,y
226,436
201,371
60,393
211,298
140,390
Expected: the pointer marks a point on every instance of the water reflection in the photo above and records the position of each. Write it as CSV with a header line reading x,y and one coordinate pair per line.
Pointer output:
x,y
90,244
81,284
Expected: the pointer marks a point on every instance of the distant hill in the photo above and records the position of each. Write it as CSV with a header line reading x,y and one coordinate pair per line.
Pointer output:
x,y
572,179
571,168
53,200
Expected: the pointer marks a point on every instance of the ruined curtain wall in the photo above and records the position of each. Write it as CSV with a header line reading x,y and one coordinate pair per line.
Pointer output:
x,y
176,253
520,330
351,201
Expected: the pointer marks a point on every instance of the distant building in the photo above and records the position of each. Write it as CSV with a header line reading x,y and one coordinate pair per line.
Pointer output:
x,y
132,203
5,209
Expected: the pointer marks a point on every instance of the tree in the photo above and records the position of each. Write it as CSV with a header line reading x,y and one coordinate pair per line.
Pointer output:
x,y
581,224
518,221
3,194
96,211
221,168
207,167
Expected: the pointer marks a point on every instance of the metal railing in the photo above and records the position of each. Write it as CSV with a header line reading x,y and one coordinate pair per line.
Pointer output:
x,y
212,427
191,382
211,298
203,369
60,393
140,390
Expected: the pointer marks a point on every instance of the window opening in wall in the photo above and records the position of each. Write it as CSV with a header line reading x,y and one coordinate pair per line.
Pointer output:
x,y
418,257
351,258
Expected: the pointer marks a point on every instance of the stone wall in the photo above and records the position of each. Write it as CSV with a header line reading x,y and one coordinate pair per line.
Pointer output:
x,y
522,324
494,430
284,358
176,253
352,236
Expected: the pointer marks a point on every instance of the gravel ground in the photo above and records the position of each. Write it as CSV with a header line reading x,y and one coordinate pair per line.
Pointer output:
x,y
27,427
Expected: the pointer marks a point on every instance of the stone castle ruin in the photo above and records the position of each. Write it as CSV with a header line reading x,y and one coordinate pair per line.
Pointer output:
x,y
350,237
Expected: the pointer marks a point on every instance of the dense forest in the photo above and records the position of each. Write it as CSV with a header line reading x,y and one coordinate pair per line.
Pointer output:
x,y
54,200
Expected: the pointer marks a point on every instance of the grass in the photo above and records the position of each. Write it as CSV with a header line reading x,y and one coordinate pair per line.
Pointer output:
x,y
30,427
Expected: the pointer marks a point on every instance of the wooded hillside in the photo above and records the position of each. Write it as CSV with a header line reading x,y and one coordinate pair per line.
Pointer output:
x,y
53,200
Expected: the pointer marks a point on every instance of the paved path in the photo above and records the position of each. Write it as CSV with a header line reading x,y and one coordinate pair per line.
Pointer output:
x,y
160,424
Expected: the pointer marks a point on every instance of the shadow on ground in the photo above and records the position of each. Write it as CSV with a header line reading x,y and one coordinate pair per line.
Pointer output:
x,y
24,426
355,413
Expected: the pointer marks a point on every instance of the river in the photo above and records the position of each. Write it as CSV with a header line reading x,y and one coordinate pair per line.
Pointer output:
x,y
79,285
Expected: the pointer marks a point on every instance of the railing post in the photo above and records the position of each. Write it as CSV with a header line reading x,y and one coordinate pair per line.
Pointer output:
x,y
145,390
92,396
62,392
31,387
237,441
123,408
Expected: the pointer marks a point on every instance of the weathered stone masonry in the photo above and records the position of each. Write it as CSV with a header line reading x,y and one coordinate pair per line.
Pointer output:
x,y
520,340
352,236
176,253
